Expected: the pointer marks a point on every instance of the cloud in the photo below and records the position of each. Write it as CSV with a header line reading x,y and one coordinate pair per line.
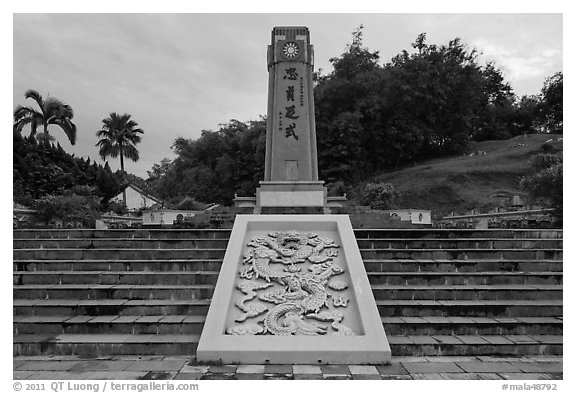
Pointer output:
x,y
518,63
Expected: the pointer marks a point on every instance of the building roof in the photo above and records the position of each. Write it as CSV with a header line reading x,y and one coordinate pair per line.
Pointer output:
x,y
140,191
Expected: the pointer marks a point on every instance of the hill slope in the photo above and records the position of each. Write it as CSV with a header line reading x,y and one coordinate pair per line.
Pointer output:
x,y
458,184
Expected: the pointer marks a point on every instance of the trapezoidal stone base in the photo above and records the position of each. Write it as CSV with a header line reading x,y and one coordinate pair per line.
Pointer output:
x,y
293,290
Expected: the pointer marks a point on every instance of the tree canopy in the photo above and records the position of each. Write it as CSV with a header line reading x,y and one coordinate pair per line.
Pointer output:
x,y
426,102
51,112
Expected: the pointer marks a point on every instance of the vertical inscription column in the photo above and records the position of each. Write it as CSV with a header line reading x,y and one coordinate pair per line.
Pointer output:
x,y
290,133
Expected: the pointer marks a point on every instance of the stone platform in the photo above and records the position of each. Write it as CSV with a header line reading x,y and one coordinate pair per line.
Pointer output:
x,y
186,368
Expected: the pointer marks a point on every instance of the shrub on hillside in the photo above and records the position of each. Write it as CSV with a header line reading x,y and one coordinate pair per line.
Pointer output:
x,y
75,205
190,204
546,181
379,195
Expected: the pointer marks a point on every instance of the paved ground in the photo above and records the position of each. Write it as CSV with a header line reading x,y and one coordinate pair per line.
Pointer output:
x,y
186,368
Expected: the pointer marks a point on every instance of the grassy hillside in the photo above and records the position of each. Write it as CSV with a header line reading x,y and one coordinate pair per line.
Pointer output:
x,y
458,184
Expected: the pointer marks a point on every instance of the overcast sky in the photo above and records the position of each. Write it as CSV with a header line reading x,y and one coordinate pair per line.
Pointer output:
x,y
179,74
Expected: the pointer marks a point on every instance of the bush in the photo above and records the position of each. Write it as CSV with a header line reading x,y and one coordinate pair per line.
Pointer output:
x,y
117,208
337,188
69,207
379,195
546,182
189,203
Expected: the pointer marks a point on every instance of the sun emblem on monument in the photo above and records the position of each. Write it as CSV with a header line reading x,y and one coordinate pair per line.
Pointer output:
x,y
290,49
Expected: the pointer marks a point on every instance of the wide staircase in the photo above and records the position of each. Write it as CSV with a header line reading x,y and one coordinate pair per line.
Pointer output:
x,y
146,292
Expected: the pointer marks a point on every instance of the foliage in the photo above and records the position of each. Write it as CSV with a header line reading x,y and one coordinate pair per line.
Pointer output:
x,y
546,181
379,195
42,168
52,112
422,104
430,101
118,137
190,204
216,166
117,208
551,106
78,204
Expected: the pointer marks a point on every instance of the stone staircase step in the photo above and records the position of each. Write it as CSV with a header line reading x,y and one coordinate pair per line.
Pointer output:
x,y
462,265
131,292
474,243
109,324
205,291
121,233
114,265
178,243
472,253
115,277
413,233
112,243
225,233
94,345
473,345
131,254
465,278
193,324
117,254
78,307
387,308
422,326
467,292
466,308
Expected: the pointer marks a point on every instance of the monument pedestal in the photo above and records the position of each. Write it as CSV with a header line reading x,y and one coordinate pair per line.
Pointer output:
x,y
293,290
290,194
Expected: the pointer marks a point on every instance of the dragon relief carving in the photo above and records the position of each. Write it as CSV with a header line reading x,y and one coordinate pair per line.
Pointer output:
x,y
298,267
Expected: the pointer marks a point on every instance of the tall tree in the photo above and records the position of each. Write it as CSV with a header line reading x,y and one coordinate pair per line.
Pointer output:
x,y
52,112
551,109
118,137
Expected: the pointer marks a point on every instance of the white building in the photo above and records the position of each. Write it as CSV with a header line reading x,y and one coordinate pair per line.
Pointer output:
x,y
136,198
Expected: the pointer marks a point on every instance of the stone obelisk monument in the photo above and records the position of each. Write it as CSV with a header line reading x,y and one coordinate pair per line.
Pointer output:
x,y
291,168
292,288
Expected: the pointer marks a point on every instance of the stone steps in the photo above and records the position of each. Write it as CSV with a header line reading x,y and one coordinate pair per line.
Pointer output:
x,y
138,292
462,265
468,308
196,243
459,233
205,291
387,308
474,326
120,266
95,345
193,324
225,233
391,266
190,277
465,278
211,253
121,233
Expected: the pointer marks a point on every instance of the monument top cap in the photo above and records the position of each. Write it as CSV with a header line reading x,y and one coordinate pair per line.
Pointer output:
x,y
291,32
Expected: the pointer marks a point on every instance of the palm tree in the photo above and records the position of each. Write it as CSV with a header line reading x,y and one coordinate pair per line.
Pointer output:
x,y
118,137
52,111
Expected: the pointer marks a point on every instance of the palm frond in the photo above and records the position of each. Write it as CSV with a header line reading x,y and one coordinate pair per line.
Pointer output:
x,y
68,127
131,153
107,149
35,96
